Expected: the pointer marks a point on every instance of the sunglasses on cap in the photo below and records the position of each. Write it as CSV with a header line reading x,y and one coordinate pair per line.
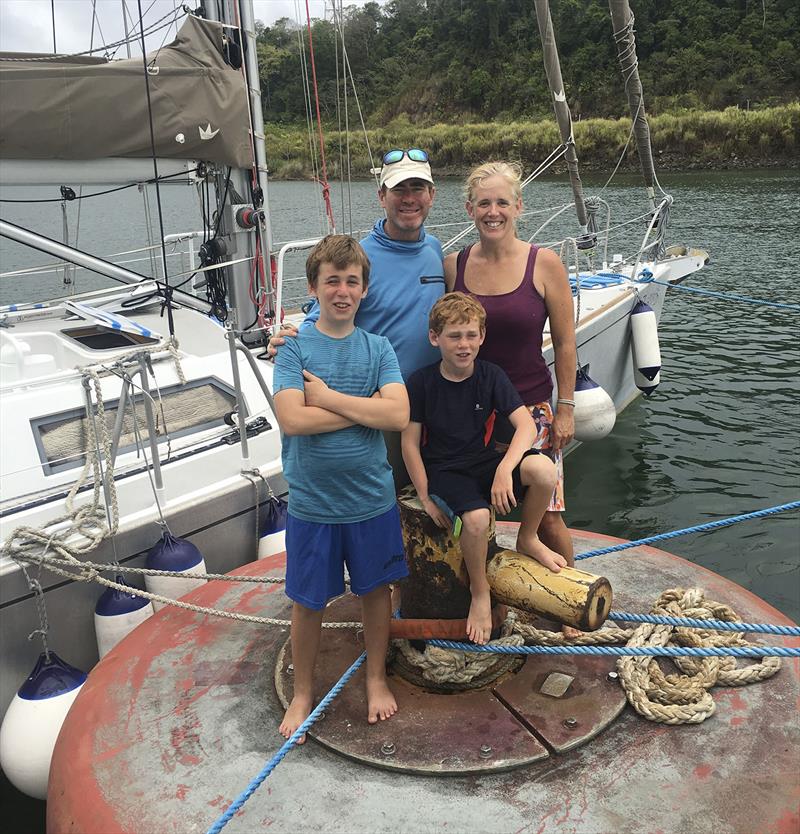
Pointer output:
x,y
414,154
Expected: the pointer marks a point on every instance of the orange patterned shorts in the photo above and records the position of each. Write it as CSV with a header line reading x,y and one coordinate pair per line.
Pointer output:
x,y
542,414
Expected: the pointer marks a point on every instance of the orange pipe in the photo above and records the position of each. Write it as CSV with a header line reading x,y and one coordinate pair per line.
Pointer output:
x,y
439,629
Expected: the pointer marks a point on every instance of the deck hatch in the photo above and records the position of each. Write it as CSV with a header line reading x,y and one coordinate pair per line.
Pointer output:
x,y
97,337
197,406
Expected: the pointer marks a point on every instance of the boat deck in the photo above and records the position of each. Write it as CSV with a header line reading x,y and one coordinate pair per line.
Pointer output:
x,y
174,723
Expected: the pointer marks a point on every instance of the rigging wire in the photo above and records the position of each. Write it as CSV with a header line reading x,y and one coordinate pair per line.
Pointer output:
x,y
326,189
312,149
109,49
346,115
53,18
167,289
101,193
339,115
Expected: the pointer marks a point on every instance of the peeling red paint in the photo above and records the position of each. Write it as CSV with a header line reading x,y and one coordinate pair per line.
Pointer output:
x,y
787,823
735,700
703,771
181,792
738,720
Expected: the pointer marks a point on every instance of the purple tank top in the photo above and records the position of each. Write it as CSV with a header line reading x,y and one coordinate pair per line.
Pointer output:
x,y
514,324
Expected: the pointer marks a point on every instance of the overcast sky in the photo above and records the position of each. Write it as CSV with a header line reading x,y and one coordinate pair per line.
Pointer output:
x,y
27,25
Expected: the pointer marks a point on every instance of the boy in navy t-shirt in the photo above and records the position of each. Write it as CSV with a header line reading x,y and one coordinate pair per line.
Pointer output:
x,y
336,388
449,453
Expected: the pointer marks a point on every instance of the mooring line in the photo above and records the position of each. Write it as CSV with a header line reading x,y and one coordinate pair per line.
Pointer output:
x,y
728,296
237,803
628,651
699,528
695,622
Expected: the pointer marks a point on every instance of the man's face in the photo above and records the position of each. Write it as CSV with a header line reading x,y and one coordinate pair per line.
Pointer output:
x,y
407,206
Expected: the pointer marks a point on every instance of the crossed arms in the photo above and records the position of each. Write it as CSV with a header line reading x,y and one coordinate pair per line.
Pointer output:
x,y
319,409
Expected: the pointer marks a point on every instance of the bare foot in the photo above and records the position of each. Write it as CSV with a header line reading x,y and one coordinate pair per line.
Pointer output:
x,y
479,619
298,711
380,701
533,546
570,633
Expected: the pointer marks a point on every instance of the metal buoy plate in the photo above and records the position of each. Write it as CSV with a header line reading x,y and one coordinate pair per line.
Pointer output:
x,y
552,704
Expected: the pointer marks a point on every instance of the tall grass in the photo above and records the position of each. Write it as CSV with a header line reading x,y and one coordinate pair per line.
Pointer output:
x,y
689,137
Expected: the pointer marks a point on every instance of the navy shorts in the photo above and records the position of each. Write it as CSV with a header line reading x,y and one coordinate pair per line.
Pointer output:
x,y
470,488
317,553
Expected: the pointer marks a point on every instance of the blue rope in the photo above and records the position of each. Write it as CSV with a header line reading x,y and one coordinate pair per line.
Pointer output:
x,y
729,296
628,651
700,528
287,746
693,622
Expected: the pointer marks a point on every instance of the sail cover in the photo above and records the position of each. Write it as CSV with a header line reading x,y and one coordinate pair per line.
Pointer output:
x,y
54,107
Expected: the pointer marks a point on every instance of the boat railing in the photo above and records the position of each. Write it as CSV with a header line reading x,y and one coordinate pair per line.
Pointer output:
x,y
290,246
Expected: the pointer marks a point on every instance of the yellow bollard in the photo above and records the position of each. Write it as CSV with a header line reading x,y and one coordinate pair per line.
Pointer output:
x,y
571,596
438,584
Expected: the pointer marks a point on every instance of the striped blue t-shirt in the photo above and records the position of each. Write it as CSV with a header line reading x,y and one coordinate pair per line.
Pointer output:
x,y
340,476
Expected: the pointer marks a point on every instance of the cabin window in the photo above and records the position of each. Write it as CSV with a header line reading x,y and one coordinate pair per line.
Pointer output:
x,y
184,409
97,337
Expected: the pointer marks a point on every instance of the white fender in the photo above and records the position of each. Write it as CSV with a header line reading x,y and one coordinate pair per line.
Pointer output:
x,y
33,721
645,349
116,615
177,555
595,414
271,543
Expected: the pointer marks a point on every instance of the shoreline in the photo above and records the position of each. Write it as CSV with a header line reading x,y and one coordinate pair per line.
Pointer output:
x,y
666,163
690,140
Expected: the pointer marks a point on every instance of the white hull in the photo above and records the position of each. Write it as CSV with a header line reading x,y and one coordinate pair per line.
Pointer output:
x,y
204,497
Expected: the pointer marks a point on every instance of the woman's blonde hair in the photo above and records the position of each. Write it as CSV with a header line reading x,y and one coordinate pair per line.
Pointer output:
x,y
510,171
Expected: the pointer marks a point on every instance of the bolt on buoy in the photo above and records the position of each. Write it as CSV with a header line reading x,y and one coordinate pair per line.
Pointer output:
x,y
570,723
387,748
485,751
613,676
290,669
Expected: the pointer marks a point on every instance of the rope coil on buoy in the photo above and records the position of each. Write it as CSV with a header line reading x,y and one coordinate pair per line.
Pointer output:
x,y
685,698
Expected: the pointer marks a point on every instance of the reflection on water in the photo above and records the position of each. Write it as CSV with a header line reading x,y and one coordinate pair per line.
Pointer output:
x,y
720,435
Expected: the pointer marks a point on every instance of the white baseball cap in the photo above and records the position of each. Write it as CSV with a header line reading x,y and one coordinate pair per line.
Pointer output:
x,y
393,173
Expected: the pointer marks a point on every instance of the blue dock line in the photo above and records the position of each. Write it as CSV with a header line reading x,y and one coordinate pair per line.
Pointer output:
x,y
237,803
728,296
628,651
694,622
700,528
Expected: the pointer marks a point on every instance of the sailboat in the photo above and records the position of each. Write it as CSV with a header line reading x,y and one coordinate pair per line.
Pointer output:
x,y
137,408
143,407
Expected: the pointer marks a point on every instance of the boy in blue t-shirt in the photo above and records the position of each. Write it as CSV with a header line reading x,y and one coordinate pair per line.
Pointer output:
x,y
449,453
336,389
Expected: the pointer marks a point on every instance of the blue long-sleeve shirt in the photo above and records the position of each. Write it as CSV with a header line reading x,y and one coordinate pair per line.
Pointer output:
x,y
405,281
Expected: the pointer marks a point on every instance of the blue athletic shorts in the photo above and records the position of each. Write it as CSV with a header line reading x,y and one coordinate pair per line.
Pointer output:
x,y
317,553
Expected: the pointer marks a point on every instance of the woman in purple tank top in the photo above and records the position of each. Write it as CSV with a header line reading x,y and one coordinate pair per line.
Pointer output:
x,y
521,286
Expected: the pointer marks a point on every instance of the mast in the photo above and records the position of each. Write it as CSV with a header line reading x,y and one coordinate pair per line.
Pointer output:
x,y
245,185
552,68
622,21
